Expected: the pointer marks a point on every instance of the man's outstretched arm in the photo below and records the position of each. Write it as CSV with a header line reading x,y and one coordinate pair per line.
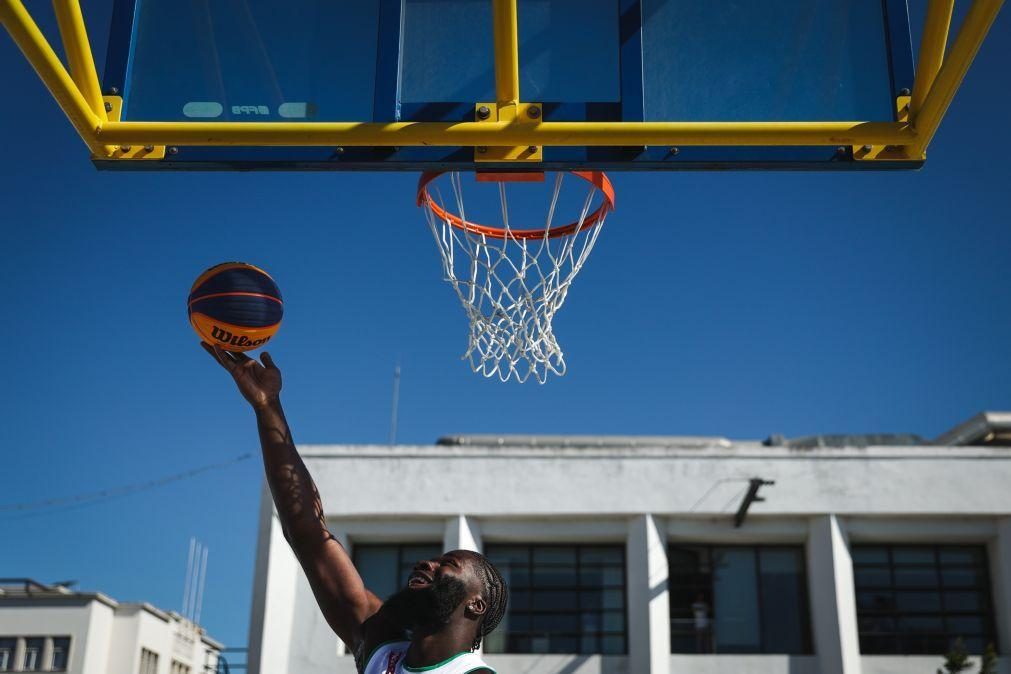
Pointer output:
x,y
345,602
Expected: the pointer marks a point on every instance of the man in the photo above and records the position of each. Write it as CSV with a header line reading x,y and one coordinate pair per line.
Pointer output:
x,y
433,624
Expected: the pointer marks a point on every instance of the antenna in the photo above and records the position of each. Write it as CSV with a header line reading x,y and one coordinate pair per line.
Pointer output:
x,y
189,573
200,591
396,403
193,580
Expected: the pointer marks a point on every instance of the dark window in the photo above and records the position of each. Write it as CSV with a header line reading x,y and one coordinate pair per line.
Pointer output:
x,y
61,651
562,599
385,568
914,600
738,599
148,662
33,654
7,645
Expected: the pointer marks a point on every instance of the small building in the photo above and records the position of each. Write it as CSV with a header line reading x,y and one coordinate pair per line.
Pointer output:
x,y
830,554
51,628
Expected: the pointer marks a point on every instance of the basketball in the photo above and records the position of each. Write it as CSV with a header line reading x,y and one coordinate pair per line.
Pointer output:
x,y
235,306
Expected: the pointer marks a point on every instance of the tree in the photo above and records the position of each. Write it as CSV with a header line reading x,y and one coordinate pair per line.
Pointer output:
x,y
957,659
988,664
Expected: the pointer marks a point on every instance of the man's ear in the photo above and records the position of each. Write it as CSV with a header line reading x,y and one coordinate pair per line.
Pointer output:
x,y
476,608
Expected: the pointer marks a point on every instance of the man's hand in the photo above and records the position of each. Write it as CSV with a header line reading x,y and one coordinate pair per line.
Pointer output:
x,y
260,384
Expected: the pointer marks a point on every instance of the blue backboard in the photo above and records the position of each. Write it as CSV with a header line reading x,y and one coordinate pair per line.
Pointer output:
x,y
582,60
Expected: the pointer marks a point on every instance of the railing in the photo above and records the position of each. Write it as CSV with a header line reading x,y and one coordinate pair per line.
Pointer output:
x,y
227,666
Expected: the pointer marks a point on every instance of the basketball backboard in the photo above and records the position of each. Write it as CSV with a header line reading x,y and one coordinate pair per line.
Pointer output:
x,y
579,61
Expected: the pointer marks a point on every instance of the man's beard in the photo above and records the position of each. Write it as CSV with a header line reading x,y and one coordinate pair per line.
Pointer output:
x,y
428,609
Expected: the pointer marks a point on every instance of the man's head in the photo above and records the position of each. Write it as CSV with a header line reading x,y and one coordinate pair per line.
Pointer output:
x,y
459,587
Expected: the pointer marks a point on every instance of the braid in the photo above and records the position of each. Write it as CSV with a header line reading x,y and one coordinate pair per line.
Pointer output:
x,y
496,595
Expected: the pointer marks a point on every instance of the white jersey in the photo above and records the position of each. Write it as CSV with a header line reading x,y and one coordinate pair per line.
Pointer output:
x,y
389,658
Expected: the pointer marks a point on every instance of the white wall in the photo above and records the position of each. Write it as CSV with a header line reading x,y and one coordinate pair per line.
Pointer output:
x,y
122,655
749,664
276,576
104,639
644,498
88,625
885,664
571,481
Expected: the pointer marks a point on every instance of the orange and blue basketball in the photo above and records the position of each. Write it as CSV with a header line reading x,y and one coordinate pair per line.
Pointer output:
x,y
235,306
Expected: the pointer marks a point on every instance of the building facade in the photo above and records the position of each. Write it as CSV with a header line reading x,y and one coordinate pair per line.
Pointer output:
x,y
829,554
50,628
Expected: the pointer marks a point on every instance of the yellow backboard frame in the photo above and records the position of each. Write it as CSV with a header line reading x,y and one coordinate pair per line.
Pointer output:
x,y
78,93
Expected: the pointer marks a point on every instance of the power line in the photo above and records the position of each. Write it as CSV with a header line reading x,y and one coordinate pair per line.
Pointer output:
x,y
92,498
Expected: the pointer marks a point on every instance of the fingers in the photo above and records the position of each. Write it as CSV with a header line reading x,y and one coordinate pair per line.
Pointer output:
x,y
230,360
223,358
213,352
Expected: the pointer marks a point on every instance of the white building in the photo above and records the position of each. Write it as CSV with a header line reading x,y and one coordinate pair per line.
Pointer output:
x,y
50,628
867,555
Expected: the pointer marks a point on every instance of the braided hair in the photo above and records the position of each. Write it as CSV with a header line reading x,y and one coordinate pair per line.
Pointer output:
x,y
495,592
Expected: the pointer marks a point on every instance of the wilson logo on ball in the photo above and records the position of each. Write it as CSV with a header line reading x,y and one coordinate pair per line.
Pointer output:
x,y
226,337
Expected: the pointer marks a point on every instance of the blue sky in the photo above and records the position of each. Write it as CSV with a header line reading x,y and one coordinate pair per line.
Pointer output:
x,y
734,304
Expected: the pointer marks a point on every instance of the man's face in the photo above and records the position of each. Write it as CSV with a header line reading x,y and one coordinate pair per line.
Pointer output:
x,y
436,589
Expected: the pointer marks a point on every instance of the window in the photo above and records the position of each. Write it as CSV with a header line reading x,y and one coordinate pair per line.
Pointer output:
x,y
738,599
61,653
148,662
562,599
179,668
33,654
7,645
918,599
385,568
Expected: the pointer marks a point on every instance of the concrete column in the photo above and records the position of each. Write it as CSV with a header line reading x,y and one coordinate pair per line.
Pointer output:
x,y
19,654
275,575
47,653
833,601
1000,570
462,533
648,599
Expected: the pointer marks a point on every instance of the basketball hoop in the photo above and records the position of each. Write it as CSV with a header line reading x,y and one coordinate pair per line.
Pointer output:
x,y
512,281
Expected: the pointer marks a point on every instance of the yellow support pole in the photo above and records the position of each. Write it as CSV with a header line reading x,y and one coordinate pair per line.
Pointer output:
x,y
507,59
40,54
932,46
970,36
463,134
82,64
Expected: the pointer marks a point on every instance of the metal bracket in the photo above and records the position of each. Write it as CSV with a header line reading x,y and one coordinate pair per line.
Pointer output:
x,y
520,113
891,152
114,110
752,496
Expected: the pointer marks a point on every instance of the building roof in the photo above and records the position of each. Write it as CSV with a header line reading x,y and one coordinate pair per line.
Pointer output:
x,y
27,591
577,441
23,590
987,429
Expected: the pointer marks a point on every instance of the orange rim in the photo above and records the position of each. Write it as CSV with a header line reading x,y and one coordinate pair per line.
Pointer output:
x,y
596,178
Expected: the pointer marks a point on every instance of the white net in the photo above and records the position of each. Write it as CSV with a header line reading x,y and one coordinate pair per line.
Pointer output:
x,y
513,281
